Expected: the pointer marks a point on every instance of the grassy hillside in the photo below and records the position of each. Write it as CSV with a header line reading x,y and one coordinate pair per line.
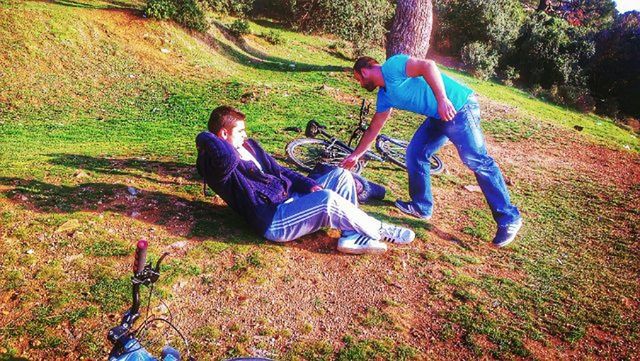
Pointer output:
x,y
96,99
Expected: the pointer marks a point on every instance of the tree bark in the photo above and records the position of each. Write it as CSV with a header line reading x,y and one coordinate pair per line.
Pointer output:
x,y
544,5
411,29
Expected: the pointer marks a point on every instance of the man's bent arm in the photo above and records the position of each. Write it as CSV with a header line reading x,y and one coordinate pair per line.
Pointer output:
x,y
369,136
429,70
222,157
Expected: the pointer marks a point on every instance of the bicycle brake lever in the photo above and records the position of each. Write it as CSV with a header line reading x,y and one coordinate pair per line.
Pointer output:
x,y
157,267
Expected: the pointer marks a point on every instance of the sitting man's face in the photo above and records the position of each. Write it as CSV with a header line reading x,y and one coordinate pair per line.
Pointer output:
x,y
236,135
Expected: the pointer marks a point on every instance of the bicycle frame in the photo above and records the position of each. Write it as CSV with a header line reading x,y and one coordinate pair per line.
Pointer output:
x,y
314,129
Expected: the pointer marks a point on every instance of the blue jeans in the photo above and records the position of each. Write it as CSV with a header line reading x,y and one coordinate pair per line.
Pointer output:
x,y
465,133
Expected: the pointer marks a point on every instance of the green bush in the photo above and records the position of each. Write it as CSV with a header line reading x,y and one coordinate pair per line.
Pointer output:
x,y
550,52
191,14
493,22
188,13
480,58
234,7
614,72
240,27
160,9
360,22
274,37
510,75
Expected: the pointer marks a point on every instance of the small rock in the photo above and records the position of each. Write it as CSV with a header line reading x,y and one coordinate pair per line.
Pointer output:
x,y
473,188
80,174
578,128
179,244
161,309
68,226
30,251
23,198
73,257
627,147
132,191
165,51
135,214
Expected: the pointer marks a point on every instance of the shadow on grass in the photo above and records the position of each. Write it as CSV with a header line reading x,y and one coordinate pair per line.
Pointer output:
x,y
126,166
112,4
256,58
180,216
416,224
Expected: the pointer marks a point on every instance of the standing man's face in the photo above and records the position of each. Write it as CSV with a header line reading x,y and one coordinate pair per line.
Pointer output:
x,y
364,81
236,135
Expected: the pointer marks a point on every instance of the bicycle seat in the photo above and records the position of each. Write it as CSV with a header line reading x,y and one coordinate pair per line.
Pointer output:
x,y
313,128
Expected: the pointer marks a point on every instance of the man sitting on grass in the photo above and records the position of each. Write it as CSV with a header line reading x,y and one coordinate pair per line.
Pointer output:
x,y
279,203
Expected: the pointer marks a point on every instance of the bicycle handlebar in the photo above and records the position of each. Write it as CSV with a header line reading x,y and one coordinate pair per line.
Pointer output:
x,y
141,256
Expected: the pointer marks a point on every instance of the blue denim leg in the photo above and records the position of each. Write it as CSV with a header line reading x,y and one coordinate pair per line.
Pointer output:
x,y
425,142
465,133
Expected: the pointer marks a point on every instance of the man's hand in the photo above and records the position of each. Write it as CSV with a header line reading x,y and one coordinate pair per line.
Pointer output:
x,y
349,162
446,110
316,188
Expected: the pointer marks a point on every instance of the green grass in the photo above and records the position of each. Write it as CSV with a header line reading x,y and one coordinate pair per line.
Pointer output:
x,y
88,110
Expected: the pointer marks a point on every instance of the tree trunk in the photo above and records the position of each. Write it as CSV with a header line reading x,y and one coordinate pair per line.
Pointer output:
x,y
411,29
544,5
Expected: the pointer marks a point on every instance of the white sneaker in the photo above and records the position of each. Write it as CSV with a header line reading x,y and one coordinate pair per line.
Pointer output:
x,y
396,234
360,244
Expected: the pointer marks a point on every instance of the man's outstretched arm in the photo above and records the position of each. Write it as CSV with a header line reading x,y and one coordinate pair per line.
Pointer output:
x,y
377,122
429,70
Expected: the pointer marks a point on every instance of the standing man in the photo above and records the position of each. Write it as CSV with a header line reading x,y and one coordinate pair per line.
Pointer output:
x,y
281,204
452,113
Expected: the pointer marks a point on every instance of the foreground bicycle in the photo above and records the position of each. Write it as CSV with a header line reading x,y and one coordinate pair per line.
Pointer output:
x,y
126,341
307,152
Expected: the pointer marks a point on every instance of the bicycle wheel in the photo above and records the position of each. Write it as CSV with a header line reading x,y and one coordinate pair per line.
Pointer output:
x,y
395,150
307,152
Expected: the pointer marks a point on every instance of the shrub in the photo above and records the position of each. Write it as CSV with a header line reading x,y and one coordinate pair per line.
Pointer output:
x,y
234,7
359,22
240,27
493,22
481,58
549,52
614,73
188,13
510,75
274,37
160,9
191,14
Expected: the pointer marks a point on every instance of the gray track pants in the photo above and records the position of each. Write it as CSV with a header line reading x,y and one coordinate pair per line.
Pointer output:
x,y
335,206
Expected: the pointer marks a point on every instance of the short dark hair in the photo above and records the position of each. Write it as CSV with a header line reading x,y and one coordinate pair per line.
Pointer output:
x,y
364,62
225,117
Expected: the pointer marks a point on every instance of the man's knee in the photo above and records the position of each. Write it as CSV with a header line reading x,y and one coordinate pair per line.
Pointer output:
x,y
341,173
478,163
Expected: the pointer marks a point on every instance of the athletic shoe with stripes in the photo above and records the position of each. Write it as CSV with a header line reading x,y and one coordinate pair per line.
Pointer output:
x,y
396,234
360,244
507,233
410,209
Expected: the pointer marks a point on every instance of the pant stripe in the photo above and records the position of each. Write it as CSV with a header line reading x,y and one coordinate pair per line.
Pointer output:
x,y
307,215
294,217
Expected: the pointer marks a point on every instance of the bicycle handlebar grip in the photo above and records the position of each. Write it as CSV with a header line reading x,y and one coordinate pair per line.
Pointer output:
x,y
141,256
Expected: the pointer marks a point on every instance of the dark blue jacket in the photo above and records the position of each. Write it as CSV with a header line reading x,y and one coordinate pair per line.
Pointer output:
x,y
253,193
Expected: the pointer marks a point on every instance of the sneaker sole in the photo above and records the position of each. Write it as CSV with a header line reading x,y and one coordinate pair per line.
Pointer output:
x,y
426,218
362,250
508,241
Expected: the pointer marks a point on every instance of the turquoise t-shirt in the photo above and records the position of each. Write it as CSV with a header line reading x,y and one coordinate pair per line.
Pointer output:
x,y
415,94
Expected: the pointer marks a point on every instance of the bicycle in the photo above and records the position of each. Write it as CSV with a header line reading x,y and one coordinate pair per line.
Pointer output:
x,y
126,341
307,152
